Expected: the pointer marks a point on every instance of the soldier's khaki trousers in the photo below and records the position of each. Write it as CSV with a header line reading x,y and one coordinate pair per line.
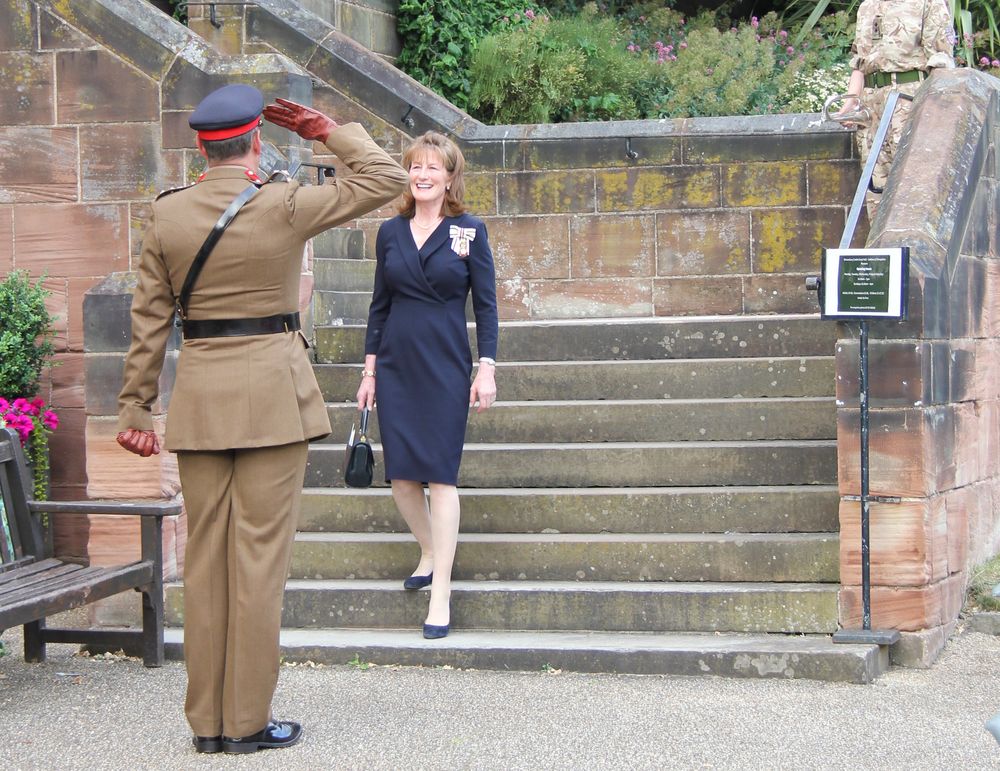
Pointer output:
x,y
874,99
242,510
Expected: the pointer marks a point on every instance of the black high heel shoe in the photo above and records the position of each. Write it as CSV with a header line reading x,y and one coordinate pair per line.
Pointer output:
x,y
418,582
432,632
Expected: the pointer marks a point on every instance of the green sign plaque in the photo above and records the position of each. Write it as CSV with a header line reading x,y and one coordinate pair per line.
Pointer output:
x,y
865,283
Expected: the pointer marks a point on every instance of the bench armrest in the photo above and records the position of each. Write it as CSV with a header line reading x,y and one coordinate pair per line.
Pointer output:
x,y
139,508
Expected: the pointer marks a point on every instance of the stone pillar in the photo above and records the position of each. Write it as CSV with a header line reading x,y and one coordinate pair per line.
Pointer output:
x,y
935,390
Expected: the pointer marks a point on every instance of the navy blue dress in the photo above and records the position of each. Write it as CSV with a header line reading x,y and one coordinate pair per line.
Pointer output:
x,y
417,330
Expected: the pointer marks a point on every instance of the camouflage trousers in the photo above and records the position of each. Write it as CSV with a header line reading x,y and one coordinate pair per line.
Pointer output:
x,y
874,100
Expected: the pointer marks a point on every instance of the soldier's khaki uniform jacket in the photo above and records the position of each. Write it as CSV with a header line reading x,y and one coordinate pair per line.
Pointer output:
x,y
902,35
259,390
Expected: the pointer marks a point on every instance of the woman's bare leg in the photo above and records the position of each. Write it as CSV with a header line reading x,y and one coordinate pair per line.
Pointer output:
x,y
444,534
412,505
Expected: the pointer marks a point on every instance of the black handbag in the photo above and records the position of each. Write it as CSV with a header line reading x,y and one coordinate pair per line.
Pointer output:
x,y
359,461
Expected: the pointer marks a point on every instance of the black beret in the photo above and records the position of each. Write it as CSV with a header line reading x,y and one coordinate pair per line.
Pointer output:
x,y
228,112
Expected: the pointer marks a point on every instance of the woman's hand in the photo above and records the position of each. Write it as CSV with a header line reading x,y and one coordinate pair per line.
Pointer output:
x,y
142,443
484,388
366,393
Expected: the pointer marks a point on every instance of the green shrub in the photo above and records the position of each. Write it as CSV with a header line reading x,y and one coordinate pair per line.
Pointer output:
x,y
726,73
571,69
25,334
439,37
981,582
517,78
25,347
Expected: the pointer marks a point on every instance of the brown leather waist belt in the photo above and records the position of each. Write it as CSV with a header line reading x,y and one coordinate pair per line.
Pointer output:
x,y
268,325
883,79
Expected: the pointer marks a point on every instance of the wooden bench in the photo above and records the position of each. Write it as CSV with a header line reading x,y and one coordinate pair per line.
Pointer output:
x,y
34,586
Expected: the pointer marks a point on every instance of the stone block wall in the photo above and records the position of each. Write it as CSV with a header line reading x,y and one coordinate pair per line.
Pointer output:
x,y
707,216
934,379
638,218
92,94
371,23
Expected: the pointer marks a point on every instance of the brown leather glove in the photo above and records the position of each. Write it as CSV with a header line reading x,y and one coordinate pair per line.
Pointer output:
x,y
140,442
304,121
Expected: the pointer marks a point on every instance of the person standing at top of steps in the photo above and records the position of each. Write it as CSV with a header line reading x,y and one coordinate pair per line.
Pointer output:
x,y
896,45
245,402
429,259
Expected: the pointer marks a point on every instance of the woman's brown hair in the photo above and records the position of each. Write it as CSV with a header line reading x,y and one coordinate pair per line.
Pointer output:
x,y
454,164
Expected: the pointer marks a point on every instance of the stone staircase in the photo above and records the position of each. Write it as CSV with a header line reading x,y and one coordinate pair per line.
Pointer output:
x,y
649,496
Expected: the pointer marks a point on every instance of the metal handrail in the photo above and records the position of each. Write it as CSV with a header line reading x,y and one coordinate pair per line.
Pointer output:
x,y
866,173
212,18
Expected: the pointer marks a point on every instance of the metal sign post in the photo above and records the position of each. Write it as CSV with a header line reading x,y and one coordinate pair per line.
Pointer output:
x,y
864,284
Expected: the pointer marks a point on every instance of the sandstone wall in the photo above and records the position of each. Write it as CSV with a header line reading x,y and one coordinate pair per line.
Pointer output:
x,y
615,219
935,379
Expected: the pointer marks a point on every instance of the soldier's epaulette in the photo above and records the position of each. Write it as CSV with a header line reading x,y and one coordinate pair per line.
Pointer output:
x,y
165,193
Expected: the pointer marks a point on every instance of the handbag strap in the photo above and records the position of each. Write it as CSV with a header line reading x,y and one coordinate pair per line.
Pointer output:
x,y
364,422
206,248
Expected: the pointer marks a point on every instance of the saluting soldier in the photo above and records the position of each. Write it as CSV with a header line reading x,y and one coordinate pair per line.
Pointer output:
x,y
896,45
245,402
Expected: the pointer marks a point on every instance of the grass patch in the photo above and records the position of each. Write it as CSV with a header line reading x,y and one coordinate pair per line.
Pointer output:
x,y
984,578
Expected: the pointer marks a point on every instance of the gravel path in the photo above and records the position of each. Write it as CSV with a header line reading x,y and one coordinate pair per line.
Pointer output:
x,y
78,712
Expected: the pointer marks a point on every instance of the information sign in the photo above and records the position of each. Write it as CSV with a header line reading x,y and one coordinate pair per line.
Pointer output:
x,y
865,283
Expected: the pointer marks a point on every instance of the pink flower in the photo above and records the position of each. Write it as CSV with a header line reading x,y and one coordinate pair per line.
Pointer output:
x,y
984,60
790,50
530,14
24,406
754,22
4,405
683,44
783,34
50,420
995,63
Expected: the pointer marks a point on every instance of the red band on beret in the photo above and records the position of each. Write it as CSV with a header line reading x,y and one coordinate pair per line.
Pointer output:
x,y
229,133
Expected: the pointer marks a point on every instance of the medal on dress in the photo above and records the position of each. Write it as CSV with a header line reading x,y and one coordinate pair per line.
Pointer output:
x,y
461,238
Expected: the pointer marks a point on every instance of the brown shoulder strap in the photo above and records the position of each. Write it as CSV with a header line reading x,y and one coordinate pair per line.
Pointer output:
x,y
206,248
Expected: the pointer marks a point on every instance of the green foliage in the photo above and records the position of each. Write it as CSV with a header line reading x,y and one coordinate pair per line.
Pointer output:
x,y
358,664
980,592
570,69
978,33
725,73
439,37
25,334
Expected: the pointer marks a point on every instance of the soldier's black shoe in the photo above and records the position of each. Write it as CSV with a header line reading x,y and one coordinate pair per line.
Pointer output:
x,y
276,734
207,743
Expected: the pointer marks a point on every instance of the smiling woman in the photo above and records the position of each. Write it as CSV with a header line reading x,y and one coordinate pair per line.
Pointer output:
x,y
417,357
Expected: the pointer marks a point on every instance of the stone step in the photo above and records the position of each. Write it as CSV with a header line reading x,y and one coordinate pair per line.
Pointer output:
x,y
350,275
340,308
332,248
674,420
795,557
655,379
589,510
619,464
800,608
721,655
629,339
